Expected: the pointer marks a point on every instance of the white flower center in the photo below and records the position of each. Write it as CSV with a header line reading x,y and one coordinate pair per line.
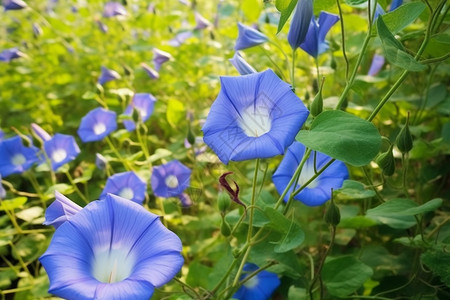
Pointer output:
x,y
126,193
59,155
112,265
255,121
18,159
172,181
252,282
99,128
307,173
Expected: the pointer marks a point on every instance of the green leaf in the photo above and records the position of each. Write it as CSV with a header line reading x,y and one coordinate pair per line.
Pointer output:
x,y
342,136
394,51
357,222
159,153
89,95
30,214
251,9
13,203
344,275
355,2
439,262
292,235
402,16
285,12
175,112
351,190
404,207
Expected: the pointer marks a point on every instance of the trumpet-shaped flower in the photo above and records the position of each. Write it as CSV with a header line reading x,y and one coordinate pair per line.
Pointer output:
x,y
300,23
153,74
259,287
160,57
112,9
249,37
144,104
14,4
180,38
170,179
241,65
319,190
107,75
126,185
111,249
61,210
40,132
395,4
315,42
61,149
97,124
201,22
100,161
377,64
15,157
10,54
254,116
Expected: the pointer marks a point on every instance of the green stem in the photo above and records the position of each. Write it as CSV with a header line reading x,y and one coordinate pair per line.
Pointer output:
x,y
141,141
82,196
117,153
293,70
344,53
404,175
36,187
187,286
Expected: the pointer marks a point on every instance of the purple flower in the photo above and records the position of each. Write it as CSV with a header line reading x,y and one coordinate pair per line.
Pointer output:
x,y
126,185
318,191
40,132
254,116
14,4
112,9
160,57
315,43
377,64
300,23
100,161
15,157
241,65
201,22
259,287
107,75
111,249
249,37
378,12
180,38
153,74
171,179
60,211
144,104
395,4
97,124
61,149
10,54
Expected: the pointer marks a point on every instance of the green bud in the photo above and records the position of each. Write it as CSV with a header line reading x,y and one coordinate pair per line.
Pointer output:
x,y
332,214
225,228
190,135
307,96
317,104
223,201
136,115
404,139
386,162
236,252
333,63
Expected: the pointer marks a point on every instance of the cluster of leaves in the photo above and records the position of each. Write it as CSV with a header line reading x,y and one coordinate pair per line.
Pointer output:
x,y
392,236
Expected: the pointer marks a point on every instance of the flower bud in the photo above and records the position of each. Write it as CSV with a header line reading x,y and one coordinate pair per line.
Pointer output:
x,y
223,201
317,104
332,214
386,162
190,135
225,228
404,139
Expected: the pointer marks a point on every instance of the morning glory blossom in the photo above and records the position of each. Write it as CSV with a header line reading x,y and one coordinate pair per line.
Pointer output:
x,y
126,185
61,210
143,103
160,57
180,38
153,74
318,191
14,4
61,149
241,65
201,22
259,287
100,161
377,64
170,179
107,75
111,249
315,43
10,54
15,157
300,23
40,132
248,37
254,116
395,4
112,9
97,124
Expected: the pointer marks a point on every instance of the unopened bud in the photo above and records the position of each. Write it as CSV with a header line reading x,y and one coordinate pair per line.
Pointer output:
x,y
386,162
317,104
136,115
404,139
332,214
190,135
223,201
225,228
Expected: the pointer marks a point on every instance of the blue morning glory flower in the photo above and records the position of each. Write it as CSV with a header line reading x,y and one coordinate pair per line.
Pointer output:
x,y
112,9
318,191
97,124
14,4
377,64
144,104
378,12
107,75
249,37
160,57
259,287
300,23
61,149
10,54
61,210
395,4
100,161
111,249
180,38
153,74
15,157
126,185
170,179
254,116
241,65
40,132
201,22
315,43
